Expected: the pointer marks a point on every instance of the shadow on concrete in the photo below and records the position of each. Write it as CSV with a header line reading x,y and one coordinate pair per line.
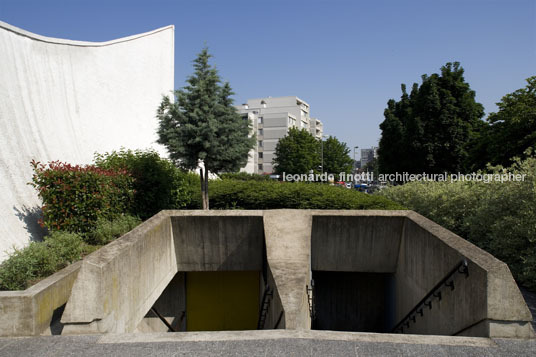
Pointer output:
x,y
56,327
30,217
530,299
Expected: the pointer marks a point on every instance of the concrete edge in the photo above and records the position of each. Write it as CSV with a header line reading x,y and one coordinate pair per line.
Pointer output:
x,y
45,283
296,334
66,42
501,286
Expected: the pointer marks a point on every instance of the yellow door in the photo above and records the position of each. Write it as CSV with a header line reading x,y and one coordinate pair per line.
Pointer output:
x,y
222,300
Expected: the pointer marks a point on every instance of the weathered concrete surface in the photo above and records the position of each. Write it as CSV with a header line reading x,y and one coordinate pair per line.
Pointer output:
x,y
119,283
288,247
264,343
360,243
29,312
427,253
64,100
212,243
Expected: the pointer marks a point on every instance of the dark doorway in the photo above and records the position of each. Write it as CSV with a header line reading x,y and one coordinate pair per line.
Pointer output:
x,y
349,301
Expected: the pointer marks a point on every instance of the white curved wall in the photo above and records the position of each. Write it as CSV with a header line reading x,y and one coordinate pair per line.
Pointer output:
x,y
65,100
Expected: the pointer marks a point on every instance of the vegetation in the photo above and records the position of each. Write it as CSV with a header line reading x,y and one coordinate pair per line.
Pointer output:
x,y
107,230
26,266
202,126
297,153
511,130
75,197
336,157
235,194
434,128
244,176
498,217
157,184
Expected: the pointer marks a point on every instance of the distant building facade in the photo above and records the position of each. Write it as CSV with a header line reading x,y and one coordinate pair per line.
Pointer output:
x,y
271,119
367,155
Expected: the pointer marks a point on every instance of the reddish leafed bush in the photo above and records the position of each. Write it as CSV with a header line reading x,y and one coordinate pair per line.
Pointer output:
x,y
75,196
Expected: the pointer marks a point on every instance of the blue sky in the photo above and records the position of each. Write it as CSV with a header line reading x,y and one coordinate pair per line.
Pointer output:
x,y
345,58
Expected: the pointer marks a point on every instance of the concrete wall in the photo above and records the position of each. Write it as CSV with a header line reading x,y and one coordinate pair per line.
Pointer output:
x,y
30,312
117,285
64,100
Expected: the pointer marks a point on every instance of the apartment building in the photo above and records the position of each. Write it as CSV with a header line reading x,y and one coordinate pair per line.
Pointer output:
x,y
367,155
271,119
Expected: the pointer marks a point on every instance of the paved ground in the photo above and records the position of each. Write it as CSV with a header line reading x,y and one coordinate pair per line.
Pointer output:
x,y
264,343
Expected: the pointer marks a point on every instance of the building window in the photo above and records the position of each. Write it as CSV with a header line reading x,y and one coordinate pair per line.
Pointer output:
x,y
260,143
260,120
260,167
260,155
260,132
263,103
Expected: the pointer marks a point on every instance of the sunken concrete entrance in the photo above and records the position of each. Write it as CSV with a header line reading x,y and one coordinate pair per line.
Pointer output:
x,y
375,271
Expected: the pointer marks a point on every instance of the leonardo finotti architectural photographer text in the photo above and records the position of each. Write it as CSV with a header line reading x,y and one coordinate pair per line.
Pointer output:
x,y
406,177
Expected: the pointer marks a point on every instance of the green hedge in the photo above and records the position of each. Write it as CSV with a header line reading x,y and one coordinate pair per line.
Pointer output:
x,y
237,194
244,176
157,185
498,217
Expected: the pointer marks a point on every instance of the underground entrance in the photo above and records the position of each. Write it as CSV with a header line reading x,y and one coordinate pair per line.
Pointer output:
x,y
223,282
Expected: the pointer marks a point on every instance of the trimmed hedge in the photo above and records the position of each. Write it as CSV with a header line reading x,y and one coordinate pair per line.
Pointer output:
x,y
237,194
498,217
244,176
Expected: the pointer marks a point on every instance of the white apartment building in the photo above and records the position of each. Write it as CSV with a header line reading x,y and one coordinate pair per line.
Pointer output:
x,y
367,155
271,120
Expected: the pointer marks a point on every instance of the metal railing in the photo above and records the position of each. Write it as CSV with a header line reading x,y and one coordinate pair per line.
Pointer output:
x,y
435,292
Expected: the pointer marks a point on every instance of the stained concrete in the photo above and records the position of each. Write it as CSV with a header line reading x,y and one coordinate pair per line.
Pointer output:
x,y
118,284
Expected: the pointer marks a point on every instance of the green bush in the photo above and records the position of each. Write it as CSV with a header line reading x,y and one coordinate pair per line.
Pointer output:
x,y
158,184
38,260
74,197
498,217
244,176
107,230
235,194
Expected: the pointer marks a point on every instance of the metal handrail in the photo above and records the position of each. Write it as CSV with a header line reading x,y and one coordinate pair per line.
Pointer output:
x,y
435,292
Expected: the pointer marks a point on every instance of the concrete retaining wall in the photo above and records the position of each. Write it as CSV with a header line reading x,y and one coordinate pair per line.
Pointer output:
x,y
29,312
118,284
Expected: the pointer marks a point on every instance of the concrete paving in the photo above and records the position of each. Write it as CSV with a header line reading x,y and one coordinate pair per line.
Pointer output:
x,y
264,343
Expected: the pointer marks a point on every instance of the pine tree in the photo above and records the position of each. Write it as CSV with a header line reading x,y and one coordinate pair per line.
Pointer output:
x,y
201,128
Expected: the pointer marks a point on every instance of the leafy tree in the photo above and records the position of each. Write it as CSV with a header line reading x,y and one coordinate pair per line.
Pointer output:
x,y
201,128
512,130
297,153
336,156
434,128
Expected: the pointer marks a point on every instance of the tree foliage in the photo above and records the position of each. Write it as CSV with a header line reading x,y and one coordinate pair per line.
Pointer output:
x,y
511,130
297,153
336,156
202,127
434,127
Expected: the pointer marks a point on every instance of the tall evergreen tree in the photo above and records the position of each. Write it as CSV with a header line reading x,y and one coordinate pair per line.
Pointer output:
x,y
434,128
201,128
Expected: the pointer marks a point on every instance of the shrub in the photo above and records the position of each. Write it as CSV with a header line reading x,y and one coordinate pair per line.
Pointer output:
x,y
107,230
158,184
244,176
75,197
40,259
231,194
498,217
